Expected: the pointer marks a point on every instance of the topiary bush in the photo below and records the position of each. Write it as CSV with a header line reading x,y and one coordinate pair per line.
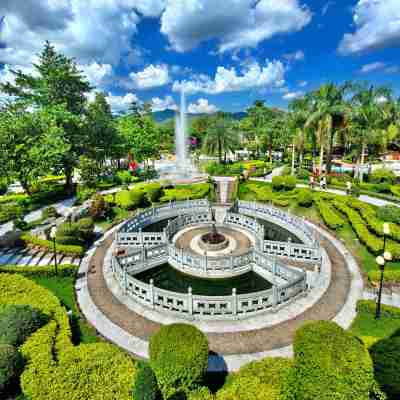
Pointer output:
x,y
389,214
145,384
258,380
305,198
178,357
99,208
330,363
50,212
85,228
283,183
18,322
11,364
331,219
385,356
153,192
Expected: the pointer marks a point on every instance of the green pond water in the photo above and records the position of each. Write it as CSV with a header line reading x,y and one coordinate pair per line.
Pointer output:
x,y
168,278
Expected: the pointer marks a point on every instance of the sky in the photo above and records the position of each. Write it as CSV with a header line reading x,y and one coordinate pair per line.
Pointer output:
x,y
224,54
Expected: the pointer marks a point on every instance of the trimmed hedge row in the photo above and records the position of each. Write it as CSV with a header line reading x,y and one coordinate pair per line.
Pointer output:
x,y
179,358
391,276
373,243
331,219
48,245
186,192
40,270
368,307
284,183
10,366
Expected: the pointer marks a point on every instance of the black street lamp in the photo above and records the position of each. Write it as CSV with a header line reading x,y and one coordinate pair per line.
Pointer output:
x,y
53,233
381,260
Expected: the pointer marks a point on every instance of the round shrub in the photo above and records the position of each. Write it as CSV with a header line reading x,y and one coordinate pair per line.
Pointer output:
x,y
178,357
330,363
123,199
153,192
137,197
124,177
18,322
10,366
50,212
85,227
305,198
99,207
385,356
145,386
258,380
92,371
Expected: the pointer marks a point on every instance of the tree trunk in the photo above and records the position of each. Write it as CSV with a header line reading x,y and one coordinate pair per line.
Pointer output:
x,y
270,150
314,154
293,148
68,180
329,154
321,159
25,186
362,162
220,151
225,157
301,159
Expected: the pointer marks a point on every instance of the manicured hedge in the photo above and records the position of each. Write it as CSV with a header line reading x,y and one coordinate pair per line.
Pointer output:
x,y
129,199
186,192
178,357
330,363
389,214
145,384
391,276
18,322
373,243
331,219
48,245
40,270
283,183
10,366
385,356
305,198
258,380
368,307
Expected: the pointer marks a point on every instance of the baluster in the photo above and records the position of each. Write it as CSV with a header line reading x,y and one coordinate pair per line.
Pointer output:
x,y
234,302
190,300
151,292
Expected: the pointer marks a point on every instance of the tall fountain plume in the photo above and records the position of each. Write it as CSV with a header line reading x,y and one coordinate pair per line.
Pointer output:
x,y
180,135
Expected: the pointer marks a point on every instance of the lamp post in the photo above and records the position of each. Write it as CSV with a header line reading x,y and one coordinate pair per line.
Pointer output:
x,y
381,260
53,232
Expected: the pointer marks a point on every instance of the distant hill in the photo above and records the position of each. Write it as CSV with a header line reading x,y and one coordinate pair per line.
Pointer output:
x,y
162,116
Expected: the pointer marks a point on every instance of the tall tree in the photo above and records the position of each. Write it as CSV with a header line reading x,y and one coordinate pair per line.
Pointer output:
x,y
56,81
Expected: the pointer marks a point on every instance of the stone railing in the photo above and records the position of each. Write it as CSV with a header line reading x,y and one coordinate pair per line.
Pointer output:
x,y
185,220
188,305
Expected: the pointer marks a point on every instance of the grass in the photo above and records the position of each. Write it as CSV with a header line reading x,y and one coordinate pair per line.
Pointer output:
x,y
119,215
63,289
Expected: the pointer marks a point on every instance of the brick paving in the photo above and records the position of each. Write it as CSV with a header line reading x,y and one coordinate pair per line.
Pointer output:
x,y
252,341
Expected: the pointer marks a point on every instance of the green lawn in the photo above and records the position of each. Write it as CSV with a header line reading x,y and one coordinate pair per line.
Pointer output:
x,y
63,288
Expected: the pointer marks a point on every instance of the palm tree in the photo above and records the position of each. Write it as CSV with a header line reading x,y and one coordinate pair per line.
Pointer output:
x,y
329,109
222,137
368,119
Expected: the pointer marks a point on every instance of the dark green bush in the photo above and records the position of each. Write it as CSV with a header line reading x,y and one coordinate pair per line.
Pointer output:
x,y
84,193
11,364
284,183
383,175
331,219
99,208
124,177
330,363
303,174
67,234
389,213
258,380
130,199
50,212
153,192
178,357
18,322
10,211
386,358
305,198
145,386
85,228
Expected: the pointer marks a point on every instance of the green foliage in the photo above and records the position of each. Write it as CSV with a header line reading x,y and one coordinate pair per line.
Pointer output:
x,y
75,233
124,177
330,217
84,193
305,198
303,174
258,380
385,356
89,171
145,384
202,393
383,175
369,307
63,270
99,208
130,199
18,322
330,363
186,192
395,190
10,366
10,211
178,357
70,250
389,213
153,192
283,183
392,276
50,212
85,228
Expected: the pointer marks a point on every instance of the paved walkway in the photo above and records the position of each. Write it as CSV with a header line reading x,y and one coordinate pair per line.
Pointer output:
x,y
132,331
388,299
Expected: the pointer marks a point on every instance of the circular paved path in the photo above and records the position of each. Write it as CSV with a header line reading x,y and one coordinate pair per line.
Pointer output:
x,y
227,343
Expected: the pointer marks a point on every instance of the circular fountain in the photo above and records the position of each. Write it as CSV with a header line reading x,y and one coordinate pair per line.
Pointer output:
x,y
213,240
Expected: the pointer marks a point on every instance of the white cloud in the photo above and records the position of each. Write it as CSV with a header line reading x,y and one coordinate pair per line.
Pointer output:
x,y
295,56
121,103
326,7
303,83
96,73
202,107
159,104
293,95
365,69
151,77
377,26
235,24
229,80
99,30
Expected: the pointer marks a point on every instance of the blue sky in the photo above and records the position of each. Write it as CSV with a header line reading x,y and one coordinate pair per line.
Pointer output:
x,y
225,54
